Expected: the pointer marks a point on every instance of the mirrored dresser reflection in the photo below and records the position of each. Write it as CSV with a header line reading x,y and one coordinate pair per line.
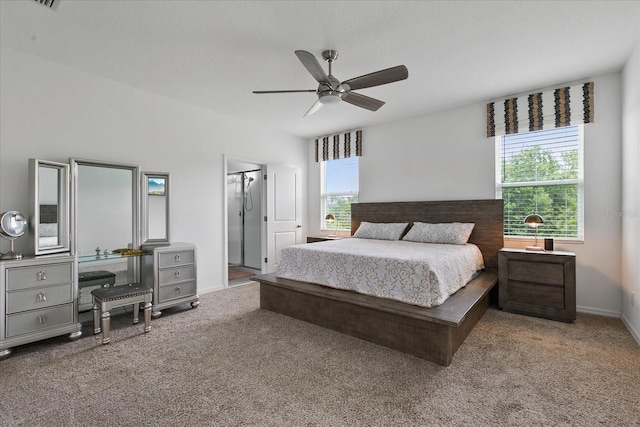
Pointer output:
x,y
39,301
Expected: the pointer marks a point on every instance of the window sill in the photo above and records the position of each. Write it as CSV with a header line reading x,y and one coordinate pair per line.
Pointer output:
x,y
334,232
514,241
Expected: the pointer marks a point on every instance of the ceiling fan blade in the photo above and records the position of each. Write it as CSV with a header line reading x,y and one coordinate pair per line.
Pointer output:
x,y
312,65
284,91
377,78
362,101
314,108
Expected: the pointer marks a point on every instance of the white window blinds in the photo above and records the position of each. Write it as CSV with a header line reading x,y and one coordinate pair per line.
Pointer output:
x,y
339,188
541,172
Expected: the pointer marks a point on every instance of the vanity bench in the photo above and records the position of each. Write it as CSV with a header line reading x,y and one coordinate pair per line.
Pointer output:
x,y
106,299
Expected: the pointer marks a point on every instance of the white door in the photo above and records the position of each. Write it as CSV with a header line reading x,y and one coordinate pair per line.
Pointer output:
x,y
283,216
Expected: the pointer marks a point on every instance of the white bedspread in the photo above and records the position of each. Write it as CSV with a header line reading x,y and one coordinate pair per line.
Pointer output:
x,y
424,274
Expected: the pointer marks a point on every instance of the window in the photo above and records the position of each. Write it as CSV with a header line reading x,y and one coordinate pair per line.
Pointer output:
x,y
542,172
339,188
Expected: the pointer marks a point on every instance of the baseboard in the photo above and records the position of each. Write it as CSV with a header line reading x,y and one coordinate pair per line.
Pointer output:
x,y
633,332
202,291
608,313
598,311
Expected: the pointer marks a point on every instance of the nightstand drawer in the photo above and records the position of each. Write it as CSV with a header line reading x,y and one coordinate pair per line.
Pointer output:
x,y
35,298
537,272
42,275
531,293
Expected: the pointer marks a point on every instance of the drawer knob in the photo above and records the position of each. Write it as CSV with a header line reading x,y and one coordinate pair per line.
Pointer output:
x,y
177,258
42,275
177,274
42,297
177,289
42,318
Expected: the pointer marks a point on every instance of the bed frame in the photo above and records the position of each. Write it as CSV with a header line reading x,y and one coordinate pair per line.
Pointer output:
x,y
430,333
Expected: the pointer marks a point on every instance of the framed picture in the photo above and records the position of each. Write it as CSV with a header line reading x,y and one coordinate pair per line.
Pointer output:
x,y
157,186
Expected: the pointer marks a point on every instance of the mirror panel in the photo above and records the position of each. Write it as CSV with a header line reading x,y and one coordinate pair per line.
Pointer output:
x,y
156,208
48,207
105,206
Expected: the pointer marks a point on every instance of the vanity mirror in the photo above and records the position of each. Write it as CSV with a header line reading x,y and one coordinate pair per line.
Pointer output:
x,y
105,201
48,207
156,208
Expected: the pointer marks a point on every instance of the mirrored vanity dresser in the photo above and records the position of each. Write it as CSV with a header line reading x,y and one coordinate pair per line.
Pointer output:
x,y
40,301
73,208
39,293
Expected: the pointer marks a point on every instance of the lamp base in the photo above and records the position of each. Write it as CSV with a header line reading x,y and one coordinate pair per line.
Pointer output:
x,y
11,255
534,248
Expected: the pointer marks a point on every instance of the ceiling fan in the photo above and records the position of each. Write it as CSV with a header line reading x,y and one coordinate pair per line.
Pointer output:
x,y
330,90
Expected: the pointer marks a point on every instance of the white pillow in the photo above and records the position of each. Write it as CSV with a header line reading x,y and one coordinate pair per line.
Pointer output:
x,y
454,233
381,230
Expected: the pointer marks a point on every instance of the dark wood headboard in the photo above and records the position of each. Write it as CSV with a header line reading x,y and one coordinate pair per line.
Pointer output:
x,y
486,214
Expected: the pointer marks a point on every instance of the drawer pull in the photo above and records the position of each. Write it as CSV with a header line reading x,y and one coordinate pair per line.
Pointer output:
x,y
42,297
42,318
177,289
177,257
42,275
177,274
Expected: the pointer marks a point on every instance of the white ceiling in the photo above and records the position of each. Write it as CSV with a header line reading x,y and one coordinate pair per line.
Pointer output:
x,y
214,53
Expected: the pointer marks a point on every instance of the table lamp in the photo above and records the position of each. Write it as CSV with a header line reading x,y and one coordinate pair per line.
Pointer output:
x,y
330,218
534,221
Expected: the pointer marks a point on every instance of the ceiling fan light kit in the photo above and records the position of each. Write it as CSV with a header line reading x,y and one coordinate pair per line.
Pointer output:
x,y
331,91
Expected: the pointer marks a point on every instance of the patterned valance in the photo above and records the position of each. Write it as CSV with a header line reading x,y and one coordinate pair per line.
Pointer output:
x,y
565,106
339,146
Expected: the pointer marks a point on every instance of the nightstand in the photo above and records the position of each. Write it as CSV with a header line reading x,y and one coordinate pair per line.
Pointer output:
x,y
314,239
541,284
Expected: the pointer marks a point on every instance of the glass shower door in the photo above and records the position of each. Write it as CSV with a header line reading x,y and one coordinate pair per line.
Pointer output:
x,y
234,214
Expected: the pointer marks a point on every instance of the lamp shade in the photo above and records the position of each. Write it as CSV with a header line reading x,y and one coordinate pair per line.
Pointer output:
x,y
330,218
533,220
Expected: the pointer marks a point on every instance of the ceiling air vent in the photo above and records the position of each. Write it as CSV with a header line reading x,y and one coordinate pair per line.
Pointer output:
x,y
52,4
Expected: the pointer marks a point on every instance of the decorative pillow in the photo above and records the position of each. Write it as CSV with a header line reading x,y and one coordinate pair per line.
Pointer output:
x,y
381,230
454,233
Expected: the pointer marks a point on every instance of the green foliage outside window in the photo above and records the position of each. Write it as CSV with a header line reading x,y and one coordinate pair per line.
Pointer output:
x,y
340,207
539,181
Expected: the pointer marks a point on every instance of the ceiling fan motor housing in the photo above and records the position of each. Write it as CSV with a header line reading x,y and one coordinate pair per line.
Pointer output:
x,y
330,93
330,97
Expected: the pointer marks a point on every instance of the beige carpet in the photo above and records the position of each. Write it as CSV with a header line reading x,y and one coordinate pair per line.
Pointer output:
x,y
229,363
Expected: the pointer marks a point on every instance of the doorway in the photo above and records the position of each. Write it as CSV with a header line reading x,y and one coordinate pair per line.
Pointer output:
x,y
244,214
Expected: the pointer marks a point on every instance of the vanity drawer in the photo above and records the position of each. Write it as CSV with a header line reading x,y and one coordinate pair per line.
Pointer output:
x,y
42,275
177,274
35,298
36,320
173,259
184,289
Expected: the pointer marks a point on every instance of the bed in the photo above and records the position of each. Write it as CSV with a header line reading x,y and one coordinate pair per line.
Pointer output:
x,y
431,333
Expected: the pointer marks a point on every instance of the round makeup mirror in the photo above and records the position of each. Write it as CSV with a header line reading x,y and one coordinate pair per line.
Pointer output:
x,y
12,225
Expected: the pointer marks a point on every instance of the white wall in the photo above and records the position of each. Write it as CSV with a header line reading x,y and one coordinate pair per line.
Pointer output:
x,y
53,112
631,193
446,156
